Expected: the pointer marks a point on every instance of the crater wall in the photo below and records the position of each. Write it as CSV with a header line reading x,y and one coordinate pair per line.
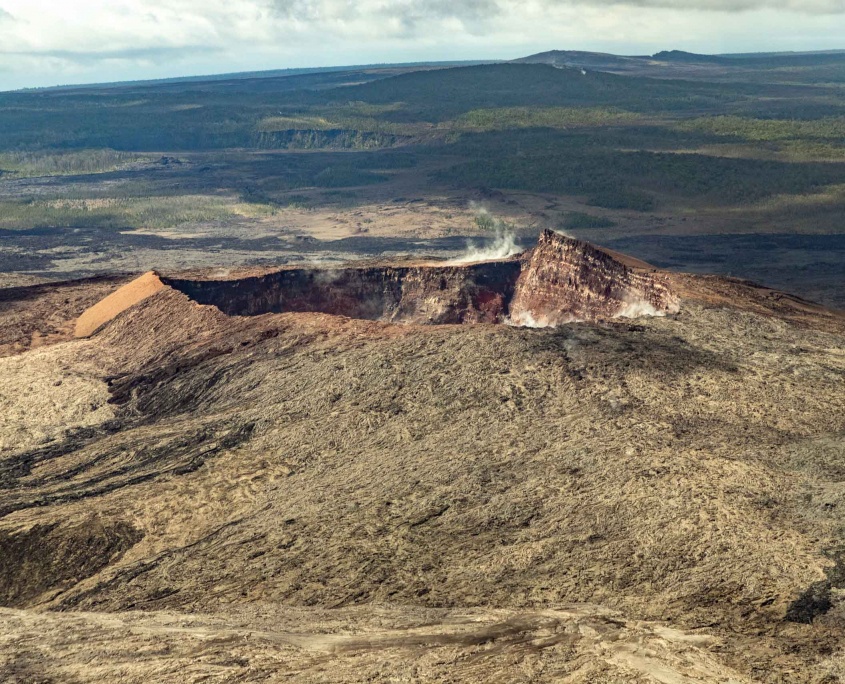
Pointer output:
x,y
474,293
558,281
564,280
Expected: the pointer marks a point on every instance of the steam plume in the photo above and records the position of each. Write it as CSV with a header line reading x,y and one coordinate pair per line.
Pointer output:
x,y
637,309
503,244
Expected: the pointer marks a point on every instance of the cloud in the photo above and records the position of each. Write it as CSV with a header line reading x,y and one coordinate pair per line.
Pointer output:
x,y
154,55
797,6
44,42
413,13
471,14
304,10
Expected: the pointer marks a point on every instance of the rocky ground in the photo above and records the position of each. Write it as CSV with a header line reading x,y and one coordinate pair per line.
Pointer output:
x,y
383,644
308,497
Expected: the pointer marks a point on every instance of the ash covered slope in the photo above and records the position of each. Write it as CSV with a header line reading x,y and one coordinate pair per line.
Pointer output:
x,y
684,470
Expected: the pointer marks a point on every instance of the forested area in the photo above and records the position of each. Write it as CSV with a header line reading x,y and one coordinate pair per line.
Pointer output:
x,y
618,142
617,179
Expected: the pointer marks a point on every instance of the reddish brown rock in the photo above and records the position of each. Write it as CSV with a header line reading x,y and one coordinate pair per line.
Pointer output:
x,y
565,280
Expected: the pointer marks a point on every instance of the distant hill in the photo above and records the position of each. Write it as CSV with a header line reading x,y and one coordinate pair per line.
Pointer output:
x,y
579,58
783,67
437,95
216,114
681,56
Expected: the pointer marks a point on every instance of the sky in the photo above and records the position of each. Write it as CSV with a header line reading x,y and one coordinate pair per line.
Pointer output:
x,y
56,42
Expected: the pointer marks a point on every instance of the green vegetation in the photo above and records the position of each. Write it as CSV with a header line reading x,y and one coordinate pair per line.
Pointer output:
x,y
337,122
150,213
298,202
42,163
223,114
542,117
830,128
618,142
578,220
606,176
622,199
439,96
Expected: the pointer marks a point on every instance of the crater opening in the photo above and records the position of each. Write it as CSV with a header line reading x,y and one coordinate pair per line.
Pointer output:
x,y
560,280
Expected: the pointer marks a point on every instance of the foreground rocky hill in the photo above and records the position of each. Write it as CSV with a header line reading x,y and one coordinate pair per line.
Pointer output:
x,y
309,496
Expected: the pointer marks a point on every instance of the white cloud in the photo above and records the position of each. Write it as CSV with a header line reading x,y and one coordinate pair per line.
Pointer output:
x,y
51,41
798,6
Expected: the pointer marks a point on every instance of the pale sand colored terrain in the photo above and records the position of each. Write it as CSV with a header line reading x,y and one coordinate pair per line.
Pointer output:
x,y
431,218
569,644
46,393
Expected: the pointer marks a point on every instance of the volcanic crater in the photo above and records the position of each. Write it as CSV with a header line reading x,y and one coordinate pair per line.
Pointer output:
x,y
560,280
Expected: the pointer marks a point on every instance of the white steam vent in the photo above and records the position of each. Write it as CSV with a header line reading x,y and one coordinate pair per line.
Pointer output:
x,y
504,243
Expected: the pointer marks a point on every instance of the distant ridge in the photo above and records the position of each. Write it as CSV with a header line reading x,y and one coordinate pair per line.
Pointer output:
x,y
674,55
600,61
681,56
786,53
773,59
269,73
576,58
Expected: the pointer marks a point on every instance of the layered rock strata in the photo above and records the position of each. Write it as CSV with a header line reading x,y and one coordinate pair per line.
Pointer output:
x,y
565,280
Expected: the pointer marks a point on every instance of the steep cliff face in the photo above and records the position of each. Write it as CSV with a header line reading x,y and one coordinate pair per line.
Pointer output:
x,y
566,280
476,293
559,281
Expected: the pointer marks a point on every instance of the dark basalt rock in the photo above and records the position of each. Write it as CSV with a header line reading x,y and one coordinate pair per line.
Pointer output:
x,y
474,293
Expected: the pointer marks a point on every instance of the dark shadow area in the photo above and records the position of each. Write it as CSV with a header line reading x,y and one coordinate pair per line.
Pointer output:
x,y
54,556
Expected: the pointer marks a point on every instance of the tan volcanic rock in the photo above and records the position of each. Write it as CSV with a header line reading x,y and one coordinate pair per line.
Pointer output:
x,y
316,497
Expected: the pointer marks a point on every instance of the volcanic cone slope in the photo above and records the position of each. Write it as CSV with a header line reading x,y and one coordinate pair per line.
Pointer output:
x,y
329,498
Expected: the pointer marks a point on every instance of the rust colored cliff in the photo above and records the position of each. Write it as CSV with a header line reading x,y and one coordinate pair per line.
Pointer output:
x,y
566,280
